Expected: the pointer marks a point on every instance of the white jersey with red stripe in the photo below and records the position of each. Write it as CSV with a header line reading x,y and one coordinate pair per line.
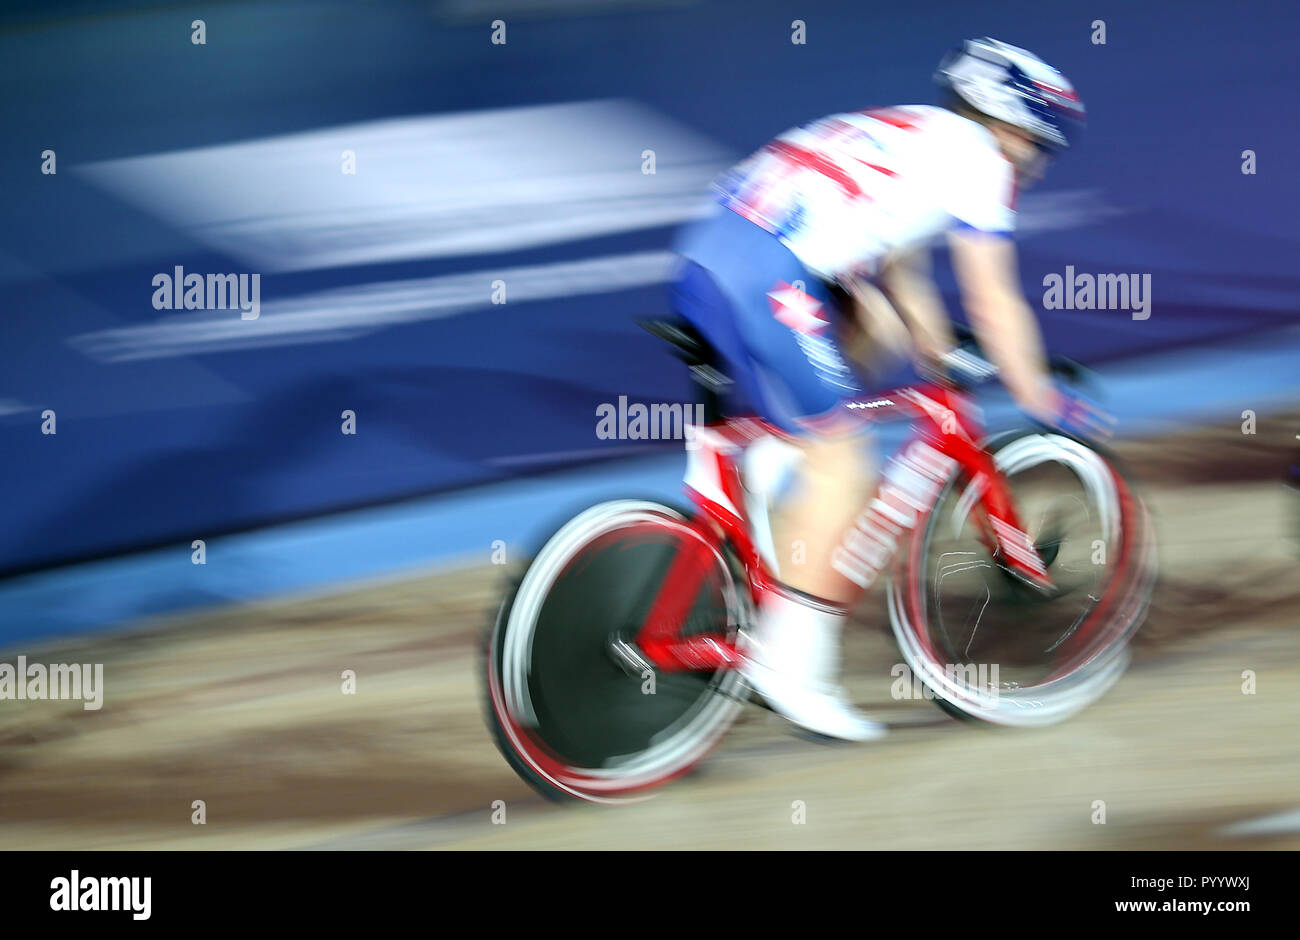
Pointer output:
x,y
846,191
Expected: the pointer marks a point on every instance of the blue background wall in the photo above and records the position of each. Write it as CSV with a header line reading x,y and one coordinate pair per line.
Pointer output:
x,y
169,449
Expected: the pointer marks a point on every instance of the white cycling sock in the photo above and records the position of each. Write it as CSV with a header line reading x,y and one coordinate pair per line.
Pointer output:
x,y
799,636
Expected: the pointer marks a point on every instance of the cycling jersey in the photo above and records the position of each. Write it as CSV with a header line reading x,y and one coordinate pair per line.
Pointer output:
x,y
846,191
834,197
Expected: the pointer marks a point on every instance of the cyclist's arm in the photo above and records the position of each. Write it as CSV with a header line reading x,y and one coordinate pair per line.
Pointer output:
x,y
1004,324
907,282
882,335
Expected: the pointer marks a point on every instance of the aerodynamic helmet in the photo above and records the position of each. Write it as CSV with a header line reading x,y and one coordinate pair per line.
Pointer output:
x,y
1015,86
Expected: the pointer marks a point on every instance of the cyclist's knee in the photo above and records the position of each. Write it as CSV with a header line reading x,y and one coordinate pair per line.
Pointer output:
x,y
843,460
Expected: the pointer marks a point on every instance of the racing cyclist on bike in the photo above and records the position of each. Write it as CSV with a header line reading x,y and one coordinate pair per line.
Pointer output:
x,y
848,205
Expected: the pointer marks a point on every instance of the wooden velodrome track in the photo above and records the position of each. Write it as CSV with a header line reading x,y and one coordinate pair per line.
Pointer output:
x,y
242,709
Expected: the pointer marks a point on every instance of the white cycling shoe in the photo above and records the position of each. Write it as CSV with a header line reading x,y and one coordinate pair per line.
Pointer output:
x,y
792,658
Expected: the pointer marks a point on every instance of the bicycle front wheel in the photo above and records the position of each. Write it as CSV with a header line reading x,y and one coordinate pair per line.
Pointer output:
x,y
990,647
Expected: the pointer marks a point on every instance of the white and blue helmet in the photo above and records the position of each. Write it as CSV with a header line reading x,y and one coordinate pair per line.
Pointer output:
x,y
1007,83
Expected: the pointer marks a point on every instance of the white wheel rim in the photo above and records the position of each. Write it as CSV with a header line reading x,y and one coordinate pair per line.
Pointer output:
x,y
1060,698
694,732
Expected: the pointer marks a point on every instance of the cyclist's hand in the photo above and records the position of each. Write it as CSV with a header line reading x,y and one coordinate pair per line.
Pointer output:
x,y
1074,414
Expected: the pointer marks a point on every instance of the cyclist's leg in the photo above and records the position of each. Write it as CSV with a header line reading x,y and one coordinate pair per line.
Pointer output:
x,y
786,319
833,482
774,321
776,379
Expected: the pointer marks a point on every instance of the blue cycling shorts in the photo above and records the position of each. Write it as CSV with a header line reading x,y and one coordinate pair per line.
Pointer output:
x,y
770,318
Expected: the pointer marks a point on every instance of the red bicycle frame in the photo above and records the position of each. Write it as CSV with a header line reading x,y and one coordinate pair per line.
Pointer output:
x,y
946,433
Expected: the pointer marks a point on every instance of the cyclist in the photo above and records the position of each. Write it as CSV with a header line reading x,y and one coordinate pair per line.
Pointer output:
x,y
846,206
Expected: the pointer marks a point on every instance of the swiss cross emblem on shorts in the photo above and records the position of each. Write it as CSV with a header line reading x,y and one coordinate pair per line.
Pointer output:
x,y
796,309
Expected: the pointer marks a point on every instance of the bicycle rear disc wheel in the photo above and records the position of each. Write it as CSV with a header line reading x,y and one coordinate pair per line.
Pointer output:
x,y
574,710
